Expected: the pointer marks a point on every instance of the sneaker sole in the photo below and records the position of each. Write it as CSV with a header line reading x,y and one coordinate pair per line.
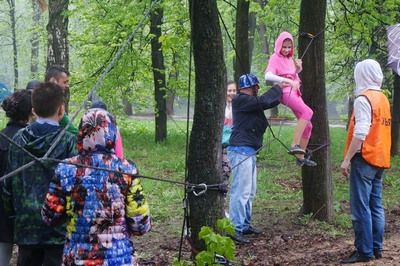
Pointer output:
x,y
296,152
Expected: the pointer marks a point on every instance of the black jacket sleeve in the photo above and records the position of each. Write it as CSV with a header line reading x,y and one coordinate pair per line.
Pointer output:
x,y
271,98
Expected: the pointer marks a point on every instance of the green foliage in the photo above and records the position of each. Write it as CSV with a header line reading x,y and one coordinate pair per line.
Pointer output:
x,y
25,28
99,28
216,243
357,30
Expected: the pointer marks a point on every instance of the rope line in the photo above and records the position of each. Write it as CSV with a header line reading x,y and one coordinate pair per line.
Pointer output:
x,y
197,189
185,201
230,39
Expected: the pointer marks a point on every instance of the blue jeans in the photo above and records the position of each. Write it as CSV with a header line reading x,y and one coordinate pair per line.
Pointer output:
x,y
243,189
5,253
367,213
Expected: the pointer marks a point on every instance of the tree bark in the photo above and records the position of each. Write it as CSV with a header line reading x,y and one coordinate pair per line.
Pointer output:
x,y
242,62
57,30
127,107
173,75
170,102
204,160
350,106
57,34
317,181
35,40
252,30
11,4
157,62
262,31
395,115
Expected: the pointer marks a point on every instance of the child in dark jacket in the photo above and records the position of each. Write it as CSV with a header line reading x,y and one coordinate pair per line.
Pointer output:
x,y
18,109
38,243
103,208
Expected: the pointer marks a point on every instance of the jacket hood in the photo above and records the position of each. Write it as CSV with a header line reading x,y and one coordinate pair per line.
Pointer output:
x,y
97,132
367,75
38,144
279,42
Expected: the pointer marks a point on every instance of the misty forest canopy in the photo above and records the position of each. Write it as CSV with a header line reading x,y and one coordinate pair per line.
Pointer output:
x,y
355,30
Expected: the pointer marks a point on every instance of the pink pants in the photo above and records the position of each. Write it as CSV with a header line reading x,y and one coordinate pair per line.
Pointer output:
x,y
301,110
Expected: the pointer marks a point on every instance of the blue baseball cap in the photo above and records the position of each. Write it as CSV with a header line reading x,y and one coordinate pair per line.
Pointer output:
x,y
247,81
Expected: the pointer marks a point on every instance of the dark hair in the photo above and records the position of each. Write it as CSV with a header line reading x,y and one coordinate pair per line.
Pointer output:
x,y
33,84
46,99
230,82
99,104
18,106
55,72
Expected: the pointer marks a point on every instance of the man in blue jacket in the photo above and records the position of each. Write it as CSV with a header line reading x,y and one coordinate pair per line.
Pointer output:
x,y
249,125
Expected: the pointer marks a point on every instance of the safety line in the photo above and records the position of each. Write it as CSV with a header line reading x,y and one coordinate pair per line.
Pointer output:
x,y
185,222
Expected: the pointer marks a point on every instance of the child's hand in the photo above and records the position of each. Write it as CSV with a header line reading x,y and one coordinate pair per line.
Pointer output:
x,y
285,83
295,85
299,65
292,83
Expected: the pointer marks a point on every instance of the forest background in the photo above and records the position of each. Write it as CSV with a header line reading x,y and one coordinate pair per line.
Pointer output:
x,y
96,30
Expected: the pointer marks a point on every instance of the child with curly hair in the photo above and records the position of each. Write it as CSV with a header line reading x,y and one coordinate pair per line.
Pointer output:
x,y
18,109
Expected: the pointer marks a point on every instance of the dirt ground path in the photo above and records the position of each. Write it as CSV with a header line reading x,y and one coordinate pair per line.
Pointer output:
x,y
283,242
306,249
274,248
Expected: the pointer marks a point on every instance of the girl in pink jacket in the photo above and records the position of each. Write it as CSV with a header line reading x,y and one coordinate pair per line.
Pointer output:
x,y
282,68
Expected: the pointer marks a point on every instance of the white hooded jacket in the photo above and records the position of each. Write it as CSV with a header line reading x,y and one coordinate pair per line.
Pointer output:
x,y
367,75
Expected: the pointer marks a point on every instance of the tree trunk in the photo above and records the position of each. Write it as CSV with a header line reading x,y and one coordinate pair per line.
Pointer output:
x,y
173,76
204,160
157,62
350,106
170,102
395,115
262,32
57,33
127,107
252,30
35,40
242,62
11,4
317,181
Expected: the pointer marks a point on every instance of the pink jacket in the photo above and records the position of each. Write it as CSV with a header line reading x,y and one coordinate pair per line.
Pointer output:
x,y
280,65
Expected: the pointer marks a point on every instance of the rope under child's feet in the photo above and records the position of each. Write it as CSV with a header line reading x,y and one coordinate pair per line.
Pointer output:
x,y
306,162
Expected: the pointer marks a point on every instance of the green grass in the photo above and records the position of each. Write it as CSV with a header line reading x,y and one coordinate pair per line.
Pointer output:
x,y
279,179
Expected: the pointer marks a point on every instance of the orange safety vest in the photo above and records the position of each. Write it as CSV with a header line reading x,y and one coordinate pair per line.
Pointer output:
x,y
376,146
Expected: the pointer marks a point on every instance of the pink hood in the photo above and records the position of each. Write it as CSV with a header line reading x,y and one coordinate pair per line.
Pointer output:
x,y
279,42
280,65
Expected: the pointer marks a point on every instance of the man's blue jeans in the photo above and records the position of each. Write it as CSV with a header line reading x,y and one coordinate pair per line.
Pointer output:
x,y
367,213
243,189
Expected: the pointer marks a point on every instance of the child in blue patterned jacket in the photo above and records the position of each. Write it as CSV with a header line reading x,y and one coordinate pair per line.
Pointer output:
x,y
103,208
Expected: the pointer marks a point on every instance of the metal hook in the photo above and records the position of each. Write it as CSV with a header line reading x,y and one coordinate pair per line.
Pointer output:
x,y
202,191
